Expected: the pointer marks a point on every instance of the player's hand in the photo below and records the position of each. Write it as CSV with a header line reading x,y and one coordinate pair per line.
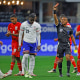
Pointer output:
x,y
8,34
19,48
38,48
56,39
55,6
1,42
76,48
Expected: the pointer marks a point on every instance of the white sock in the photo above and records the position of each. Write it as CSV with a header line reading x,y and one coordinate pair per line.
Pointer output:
x,y
26,63
23,62
31,63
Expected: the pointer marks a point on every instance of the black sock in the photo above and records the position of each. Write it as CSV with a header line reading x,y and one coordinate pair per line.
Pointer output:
x,y
60,67
68,66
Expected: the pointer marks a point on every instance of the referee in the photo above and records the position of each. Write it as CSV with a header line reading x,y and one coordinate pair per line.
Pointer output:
x,y
64,33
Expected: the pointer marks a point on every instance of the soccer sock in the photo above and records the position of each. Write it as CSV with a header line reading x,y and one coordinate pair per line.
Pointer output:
x,y
78,65
19,66
26,63
55,62
31,63
60,67
12,65
25,56
72,61
68,66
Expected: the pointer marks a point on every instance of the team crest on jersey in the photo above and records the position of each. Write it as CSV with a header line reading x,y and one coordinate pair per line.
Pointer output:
x,y
61,30
16,28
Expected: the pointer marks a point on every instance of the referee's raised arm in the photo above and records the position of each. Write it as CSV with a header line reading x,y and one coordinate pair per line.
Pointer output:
x,y
54,14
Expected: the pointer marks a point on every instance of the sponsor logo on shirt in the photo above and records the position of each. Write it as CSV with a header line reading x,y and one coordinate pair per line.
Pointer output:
x,y
61,30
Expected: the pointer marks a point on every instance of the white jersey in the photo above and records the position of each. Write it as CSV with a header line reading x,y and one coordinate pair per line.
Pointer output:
x,y
30,31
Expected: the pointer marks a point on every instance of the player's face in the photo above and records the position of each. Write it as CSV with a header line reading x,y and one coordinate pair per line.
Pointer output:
x,y
31,20
13,20
64,20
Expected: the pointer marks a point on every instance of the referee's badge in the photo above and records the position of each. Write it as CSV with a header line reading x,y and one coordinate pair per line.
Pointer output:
x,y
61,30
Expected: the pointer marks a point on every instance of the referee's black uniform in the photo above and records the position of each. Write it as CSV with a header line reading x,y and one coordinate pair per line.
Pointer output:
x,y
63,45
63,40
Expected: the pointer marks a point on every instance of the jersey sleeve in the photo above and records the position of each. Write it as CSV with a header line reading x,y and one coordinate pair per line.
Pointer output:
x,y
71,32
78,28
22,27
38,29
9,27
19,26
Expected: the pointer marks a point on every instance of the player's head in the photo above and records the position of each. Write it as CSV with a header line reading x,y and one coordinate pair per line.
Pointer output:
x,y
32,17
62,15
64,20
13,18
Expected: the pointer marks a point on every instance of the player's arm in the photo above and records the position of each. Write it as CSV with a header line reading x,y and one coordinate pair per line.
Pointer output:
x,y
54,14
1,43
73,39
38,33
20,36
78,30
55,39
77,33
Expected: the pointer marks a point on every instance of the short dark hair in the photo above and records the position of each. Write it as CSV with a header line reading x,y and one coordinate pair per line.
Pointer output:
x,y
62,15
13,15
32,15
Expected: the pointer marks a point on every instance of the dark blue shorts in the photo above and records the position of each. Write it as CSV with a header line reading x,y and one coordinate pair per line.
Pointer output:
x,y
30,47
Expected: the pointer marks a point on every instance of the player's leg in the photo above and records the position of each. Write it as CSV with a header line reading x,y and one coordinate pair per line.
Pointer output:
x,y
31,64
32,59
73,63
55,65
11,67
60,54
78,62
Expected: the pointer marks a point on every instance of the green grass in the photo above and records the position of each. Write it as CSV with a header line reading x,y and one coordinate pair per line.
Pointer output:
x,y
43,64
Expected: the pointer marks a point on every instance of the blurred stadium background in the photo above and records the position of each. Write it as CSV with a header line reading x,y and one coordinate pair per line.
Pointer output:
x,y
43,10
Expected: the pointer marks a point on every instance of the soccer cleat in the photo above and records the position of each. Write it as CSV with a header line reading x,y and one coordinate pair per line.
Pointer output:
x,y
60,75
29,76
33,74
78,74
1,75
52,71
26,74
18,74
75,70
68,75
9,73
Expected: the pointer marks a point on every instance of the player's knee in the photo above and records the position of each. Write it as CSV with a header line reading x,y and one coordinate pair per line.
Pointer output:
x,y
60,59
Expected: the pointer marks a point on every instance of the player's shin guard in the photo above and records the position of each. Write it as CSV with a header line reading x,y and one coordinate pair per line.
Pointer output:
x,y
31,63
72,61
68,66
78,65
12,65
60,67
55,62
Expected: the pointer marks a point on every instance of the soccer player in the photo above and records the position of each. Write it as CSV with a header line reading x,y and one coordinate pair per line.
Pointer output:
x,y
31,30
13,30
71,57
64,33
78,61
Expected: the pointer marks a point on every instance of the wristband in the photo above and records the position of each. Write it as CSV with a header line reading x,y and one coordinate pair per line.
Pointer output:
x,y
54,11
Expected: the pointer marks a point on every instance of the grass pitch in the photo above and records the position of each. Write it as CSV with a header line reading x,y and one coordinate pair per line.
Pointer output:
x,y
43,64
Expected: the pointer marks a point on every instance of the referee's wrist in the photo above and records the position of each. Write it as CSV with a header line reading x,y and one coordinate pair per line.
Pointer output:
x,y
54,11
